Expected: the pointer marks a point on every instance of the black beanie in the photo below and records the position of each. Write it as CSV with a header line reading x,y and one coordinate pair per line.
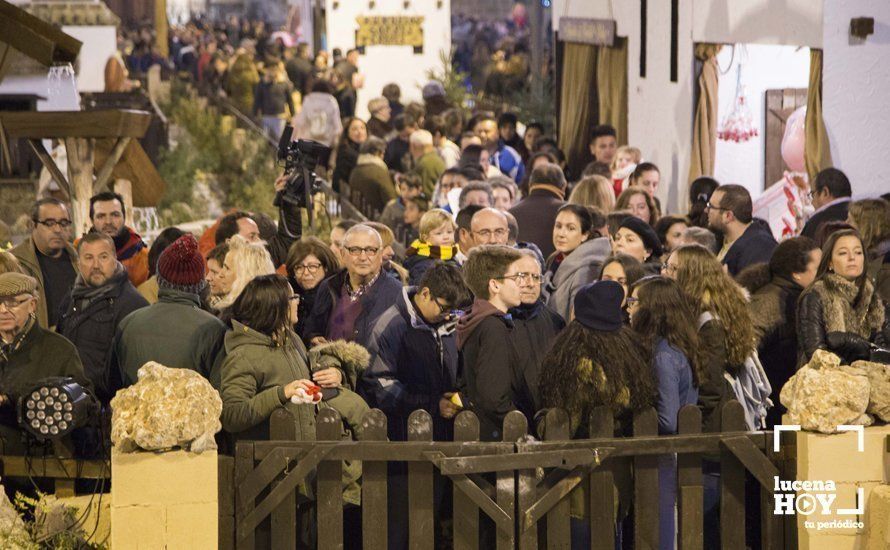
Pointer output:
x,y
646,233
598,306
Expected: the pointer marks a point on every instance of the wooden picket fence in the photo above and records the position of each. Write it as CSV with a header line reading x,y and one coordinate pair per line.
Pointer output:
x,y
521,484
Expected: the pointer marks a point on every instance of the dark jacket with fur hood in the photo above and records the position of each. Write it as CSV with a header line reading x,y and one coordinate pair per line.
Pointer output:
x,y
833,304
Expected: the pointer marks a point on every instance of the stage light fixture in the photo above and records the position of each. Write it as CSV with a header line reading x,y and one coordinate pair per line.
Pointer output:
x,y
55,407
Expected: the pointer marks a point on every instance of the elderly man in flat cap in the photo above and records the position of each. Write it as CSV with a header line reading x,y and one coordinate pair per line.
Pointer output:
x,y
28,353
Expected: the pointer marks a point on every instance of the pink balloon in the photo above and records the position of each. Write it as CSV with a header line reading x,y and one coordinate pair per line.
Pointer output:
x,y
794,140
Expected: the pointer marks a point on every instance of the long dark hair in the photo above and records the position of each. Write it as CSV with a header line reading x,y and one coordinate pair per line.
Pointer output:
x,y
665,312
587,368
700,191
827,249
264,305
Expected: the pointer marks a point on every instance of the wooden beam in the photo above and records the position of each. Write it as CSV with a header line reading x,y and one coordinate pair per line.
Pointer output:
x,y
51,165
63,468
35,37
80,172
111,123
104,175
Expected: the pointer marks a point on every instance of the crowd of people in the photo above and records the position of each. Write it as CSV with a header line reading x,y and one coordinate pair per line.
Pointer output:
x,y
519,289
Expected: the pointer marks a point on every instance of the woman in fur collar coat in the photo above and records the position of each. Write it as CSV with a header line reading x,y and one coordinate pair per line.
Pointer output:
x,y
841,312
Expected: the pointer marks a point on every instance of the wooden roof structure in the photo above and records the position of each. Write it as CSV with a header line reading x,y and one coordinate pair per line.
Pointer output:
x,y
34,37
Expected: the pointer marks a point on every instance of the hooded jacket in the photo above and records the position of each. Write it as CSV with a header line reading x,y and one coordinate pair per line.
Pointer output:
x,y
491,380
26,253
90,318
579,268
254,374
412,365
382,294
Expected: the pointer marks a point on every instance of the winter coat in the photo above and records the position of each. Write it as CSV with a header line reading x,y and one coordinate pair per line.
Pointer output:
x,y
273,98
421,256
429,168
304,310
319,119
535,326
149,289
491,382
378,128
132,252
254,374
26,254
370,178
830,305
36,354
397,155
241,81
174,332
714,391
879,270
835,212
347,157
754,246
90,319
413,364
579,268
536,215
773,310
377,299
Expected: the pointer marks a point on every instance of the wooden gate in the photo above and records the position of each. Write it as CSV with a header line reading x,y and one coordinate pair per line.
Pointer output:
x,y
523,485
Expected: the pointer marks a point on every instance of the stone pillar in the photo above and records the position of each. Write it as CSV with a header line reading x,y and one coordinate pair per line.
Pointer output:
x,y
877,519
836,458
164,500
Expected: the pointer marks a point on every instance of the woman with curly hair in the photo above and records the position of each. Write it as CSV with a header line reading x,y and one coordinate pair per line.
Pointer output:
x,y
841,311
597,361
662,318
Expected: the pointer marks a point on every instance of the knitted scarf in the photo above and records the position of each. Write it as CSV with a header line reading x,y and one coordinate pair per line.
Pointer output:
x,y
420,248
841,312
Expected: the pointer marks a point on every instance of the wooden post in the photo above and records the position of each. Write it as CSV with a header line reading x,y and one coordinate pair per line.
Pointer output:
x,y
80,177
124,188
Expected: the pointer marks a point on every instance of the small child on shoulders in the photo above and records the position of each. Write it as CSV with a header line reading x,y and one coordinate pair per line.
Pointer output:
x,y
436,242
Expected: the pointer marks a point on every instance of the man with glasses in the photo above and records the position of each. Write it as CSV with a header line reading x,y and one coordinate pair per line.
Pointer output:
x,y
492,382
745,242
350,301
28,353
489,226
414,366
47,255
535,324
831,196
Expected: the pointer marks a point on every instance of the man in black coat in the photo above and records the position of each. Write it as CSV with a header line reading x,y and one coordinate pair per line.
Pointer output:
x,y
744,241
831,197
348,303
102,296
536,213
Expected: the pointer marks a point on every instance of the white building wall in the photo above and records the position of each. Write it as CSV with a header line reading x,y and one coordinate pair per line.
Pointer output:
x,y
856,94
660,112
384,64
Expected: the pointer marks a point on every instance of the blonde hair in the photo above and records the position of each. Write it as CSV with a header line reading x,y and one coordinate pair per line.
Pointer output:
x,y
434,219
9,263
635,153
247,260
871,217
594,191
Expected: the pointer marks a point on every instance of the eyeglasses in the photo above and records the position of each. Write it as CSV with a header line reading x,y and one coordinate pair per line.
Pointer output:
x,y
488,233
668,268
311,268
52,224
710,206
12,303
443,309
523,278
356,251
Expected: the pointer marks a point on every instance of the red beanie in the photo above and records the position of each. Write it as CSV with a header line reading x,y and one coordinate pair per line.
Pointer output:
x,y
181,264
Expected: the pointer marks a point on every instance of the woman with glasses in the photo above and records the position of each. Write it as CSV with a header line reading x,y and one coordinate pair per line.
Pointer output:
x,y
535,325
580,250
309,262
662,319
624,270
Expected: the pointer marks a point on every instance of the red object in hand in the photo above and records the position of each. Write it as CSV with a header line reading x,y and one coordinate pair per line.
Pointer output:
x,y
314,392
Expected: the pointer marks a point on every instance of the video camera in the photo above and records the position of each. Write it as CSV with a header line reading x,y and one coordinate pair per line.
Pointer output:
x,y
300,158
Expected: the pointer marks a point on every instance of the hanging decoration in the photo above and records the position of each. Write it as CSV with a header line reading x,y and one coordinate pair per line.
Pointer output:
x,y
738,125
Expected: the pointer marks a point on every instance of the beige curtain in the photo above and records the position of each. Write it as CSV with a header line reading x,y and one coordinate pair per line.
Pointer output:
x,y
576,112
704,130
817,154
611,78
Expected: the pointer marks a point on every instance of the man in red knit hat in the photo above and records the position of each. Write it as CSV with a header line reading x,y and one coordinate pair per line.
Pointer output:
x,y
175,331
